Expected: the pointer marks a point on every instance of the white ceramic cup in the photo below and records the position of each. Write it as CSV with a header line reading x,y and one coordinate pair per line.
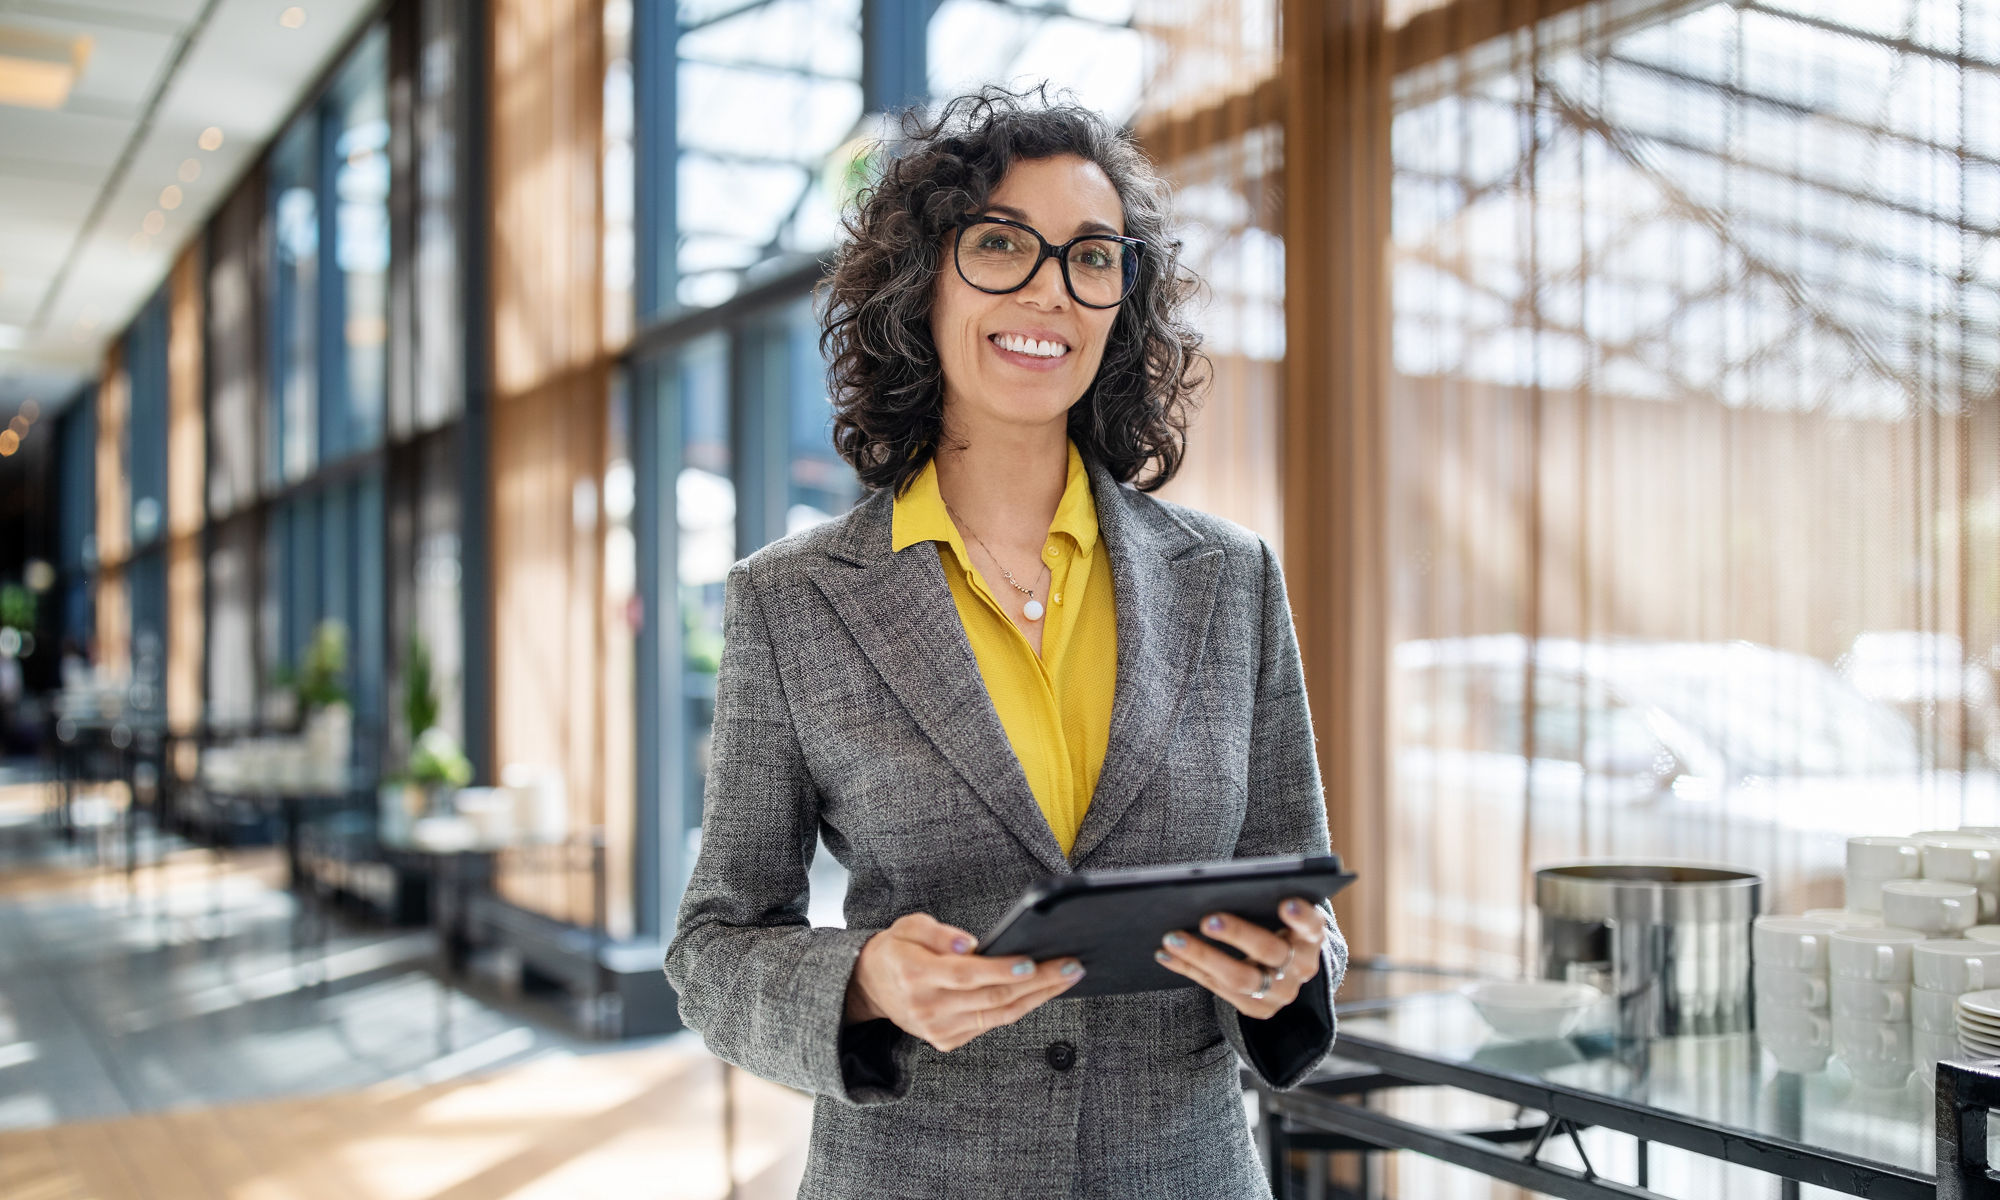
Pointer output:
x,y
1992,831
1864,893
1956,965
1790,943
1932,906
1962,858
1846,917
1934,1012
1884,858
1800,1040
1881,1054
1779,988
1927,1049
1879,952
1984,933
1871,1000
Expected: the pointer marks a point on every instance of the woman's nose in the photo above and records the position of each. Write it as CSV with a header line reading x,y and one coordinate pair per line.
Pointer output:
x,y
1046,285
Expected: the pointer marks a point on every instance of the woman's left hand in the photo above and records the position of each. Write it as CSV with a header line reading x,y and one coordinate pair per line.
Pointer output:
x,y
1278,963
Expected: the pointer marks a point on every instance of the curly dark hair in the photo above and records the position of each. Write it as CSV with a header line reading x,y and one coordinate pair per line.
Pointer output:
x,y
886,381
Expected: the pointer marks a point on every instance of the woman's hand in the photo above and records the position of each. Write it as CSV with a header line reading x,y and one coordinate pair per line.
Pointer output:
x,y
922,974
1290,957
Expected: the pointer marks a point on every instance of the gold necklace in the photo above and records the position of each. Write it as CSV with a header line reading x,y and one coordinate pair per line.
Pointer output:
x,y
1033,608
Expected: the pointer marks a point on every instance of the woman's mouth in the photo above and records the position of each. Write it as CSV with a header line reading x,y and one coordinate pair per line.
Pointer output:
x,y
1033,353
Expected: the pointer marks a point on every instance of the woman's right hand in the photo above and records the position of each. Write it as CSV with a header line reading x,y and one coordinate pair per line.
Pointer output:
x,y
921,974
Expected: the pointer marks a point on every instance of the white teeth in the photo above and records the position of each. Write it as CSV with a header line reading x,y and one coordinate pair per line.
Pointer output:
x,y
1024,345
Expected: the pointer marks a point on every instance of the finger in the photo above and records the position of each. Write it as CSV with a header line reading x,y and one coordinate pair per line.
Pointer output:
x,y
934,935
1305,919
998,995
1021,1006
1229,972
1254,940
972,971
1280,994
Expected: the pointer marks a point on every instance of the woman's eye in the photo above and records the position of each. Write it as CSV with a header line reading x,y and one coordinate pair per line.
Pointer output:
x,y
996,242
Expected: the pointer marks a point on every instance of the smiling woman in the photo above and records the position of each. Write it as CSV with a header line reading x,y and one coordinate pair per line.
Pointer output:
x,y
1008,662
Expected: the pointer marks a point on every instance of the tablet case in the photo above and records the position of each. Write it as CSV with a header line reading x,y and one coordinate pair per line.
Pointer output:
x,y
1113,920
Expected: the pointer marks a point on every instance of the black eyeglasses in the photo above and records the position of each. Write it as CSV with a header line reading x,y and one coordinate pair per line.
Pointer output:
x,y
994,255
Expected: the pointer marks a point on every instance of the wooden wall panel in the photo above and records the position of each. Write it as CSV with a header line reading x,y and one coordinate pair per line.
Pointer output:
x,y
1337,364
114,482
187,470
550,403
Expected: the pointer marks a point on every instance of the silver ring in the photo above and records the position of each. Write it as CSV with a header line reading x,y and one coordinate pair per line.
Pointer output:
x,y
1290,953
1264,982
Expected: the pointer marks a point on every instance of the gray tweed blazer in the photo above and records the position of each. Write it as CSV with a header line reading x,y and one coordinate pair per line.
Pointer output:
x,y
850,709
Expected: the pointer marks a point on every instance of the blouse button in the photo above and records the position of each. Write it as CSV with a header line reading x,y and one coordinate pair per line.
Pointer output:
x,y
1057,597
1049,551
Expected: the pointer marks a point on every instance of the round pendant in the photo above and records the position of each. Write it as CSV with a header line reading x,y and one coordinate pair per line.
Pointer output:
x,y
1032,610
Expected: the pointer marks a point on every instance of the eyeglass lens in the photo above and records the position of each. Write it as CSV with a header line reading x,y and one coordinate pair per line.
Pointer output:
x,y
998,258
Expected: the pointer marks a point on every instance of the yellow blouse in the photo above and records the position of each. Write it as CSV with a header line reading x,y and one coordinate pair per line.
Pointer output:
x,y
1056,708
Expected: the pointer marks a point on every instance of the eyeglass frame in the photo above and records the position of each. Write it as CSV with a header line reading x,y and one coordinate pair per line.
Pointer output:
x,y
1048,251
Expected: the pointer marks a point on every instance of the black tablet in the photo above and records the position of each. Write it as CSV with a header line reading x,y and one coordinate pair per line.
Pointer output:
x,y
1113,920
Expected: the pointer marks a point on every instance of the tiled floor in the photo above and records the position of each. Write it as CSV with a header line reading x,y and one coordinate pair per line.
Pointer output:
x,y
208,1052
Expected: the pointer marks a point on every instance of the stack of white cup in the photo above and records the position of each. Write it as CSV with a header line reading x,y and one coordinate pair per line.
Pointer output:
x,y
1872,862
1789,957
1965,857
1932,907
1941,972
1871,970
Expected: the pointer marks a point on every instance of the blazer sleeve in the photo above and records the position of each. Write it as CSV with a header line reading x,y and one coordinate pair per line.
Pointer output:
x,y
767,990
1287,815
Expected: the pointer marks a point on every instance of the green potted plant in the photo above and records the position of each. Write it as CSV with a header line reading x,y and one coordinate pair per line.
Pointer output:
x,y
437,764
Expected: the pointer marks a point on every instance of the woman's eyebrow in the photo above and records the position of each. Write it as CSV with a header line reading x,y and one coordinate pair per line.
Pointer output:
x,y
1092,226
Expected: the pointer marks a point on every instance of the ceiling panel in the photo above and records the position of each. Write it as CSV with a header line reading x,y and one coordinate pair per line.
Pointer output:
x,y
243,73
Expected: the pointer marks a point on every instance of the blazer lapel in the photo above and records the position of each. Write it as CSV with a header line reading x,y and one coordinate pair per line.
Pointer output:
x,y
1164,581
898,607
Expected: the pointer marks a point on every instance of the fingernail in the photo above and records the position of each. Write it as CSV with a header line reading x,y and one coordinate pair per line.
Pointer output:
x,y
1072,968
1293,908
1213,924
1024,967
1176,940
961,945
1163,957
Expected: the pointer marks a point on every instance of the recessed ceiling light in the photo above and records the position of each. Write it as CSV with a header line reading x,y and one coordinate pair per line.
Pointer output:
x,y
190,170
9,442
211,138
170,197
19,425
37,70
154,222
292,17
137,244
31,409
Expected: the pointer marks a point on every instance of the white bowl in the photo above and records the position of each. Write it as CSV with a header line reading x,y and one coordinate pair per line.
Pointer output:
x,y
1535,1010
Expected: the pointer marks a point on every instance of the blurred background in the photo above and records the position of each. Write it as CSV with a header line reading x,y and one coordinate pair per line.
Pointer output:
x,y
391,385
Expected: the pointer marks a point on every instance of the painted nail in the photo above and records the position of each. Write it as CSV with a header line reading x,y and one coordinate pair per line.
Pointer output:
x,y
1024,967
1176,940
961,945
1213,924
1163,957
1071,969
1293,908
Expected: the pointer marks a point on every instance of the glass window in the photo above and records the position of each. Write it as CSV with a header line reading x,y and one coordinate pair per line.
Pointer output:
x,y
819,483
357,129
292,426
231,644
234,319
705,510
438,394
146,421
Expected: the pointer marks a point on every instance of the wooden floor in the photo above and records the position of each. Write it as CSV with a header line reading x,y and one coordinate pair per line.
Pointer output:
x,y
163,1038
643,1123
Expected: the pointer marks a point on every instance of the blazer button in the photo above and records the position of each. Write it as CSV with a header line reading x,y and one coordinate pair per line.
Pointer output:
x,y
1062,1055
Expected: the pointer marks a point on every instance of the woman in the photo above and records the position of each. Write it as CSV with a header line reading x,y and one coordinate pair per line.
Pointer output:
x,y
1006,663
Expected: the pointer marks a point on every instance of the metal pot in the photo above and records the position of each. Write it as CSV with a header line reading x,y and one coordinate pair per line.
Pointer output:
x,y
1670,941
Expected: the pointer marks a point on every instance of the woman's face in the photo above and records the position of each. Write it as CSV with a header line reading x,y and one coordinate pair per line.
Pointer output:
x,y
984,382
